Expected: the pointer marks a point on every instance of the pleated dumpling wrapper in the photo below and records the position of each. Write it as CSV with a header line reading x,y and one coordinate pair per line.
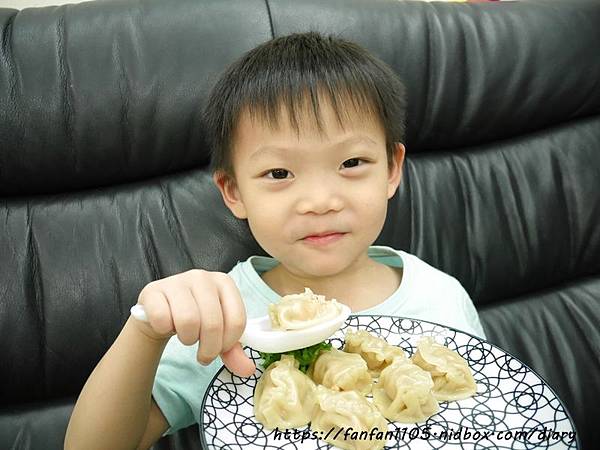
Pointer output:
x,y
341,371
297,311
451,374
403,393
284,396
338,411
377,353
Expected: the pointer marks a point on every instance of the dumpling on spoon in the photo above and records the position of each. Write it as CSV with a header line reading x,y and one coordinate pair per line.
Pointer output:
x,y
297,311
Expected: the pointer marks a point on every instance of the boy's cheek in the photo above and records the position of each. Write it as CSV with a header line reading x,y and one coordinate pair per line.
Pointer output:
x,y
266,228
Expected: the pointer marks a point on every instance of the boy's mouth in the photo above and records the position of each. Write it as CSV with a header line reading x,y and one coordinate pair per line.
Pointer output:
x,y
324,238
322,234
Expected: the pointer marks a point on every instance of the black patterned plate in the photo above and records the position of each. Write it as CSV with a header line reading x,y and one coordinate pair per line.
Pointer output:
x,y
513,408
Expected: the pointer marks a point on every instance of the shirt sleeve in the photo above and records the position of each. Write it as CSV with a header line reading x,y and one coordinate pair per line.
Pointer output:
x,y
180,384
471,316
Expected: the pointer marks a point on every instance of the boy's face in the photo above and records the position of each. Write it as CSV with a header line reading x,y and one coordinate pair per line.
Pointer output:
x,y
315,184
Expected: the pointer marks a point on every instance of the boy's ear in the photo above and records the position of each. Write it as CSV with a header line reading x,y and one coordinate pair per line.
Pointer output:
x,y
395,170
230,193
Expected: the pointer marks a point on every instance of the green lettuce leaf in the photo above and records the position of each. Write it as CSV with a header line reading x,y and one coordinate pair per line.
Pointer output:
x,y
305,356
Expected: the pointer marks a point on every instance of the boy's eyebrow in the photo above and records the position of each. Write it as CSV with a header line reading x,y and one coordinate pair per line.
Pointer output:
x,y
350,141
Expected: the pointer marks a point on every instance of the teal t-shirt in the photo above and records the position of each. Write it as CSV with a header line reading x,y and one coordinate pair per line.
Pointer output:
x,y
424,293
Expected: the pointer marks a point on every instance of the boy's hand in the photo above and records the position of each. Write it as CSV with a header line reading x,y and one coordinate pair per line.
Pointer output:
x,y
203,305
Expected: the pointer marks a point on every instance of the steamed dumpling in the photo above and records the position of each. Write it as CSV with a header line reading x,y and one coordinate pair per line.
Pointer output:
x,y
284,396
452,377
403,393
341,371
343,410
296,311
377,353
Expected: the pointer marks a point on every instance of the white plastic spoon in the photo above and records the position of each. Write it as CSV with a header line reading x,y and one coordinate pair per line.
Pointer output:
x,y
259,335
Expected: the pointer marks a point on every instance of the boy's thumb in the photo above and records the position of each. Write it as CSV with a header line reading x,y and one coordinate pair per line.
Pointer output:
x,y
237,361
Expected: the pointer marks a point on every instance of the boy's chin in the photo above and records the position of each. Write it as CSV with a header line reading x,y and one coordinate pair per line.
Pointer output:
x,y
323,266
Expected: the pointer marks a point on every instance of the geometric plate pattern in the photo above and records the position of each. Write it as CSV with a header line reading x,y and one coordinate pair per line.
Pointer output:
x,y
514,408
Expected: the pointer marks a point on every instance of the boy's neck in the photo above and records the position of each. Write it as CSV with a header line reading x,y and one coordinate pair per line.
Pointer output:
x,y
374,283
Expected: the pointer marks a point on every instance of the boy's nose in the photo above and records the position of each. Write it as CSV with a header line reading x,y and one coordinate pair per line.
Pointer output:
x,y
320,198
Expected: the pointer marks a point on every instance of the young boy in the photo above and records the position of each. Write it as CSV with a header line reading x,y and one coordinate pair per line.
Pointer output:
x,y
306,133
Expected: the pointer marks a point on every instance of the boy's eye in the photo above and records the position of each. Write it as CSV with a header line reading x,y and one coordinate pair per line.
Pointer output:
x,y
281,174
278,174
354,161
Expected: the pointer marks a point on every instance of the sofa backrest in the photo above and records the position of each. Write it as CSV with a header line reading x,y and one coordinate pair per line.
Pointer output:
x,y
104,184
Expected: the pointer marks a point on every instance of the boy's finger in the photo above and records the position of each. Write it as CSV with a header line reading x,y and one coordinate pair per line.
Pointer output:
x,y
234,312
157,310
211,318
186,316
238,362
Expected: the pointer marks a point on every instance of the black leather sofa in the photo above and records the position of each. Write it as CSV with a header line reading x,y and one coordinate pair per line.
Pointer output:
x,y
104,183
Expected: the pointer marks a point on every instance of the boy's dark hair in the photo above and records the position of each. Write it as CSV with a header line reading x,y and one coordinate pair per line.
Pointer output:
x,y
294,71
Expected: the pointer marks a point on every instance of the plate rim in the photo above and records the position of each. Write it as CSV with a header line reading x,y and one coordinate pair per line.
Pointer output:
x,y
204,444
